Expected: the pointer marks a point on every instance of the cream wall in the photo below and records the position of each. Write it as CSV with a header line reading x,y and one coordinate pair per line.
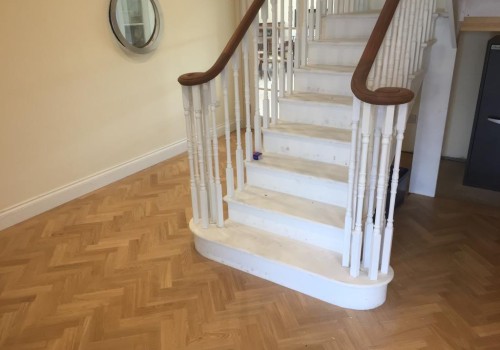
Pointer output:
x,y
73,103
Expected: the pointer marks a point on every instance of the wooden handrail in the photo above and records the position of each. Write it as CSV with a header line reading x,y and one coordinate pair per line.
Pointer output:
x,y
386,95
191,79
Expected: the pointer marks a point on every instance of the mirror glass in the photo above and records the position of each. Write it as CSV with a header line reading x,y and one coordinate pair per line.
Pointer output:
x,y
136,23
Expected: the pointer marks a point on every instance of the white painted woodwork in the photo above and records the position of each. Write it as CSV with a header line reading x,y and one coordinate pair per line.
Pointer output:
x,y
348,26
218,209
310,142
186,95
207,138
435,96
275,64
240,176
323,79
317,181
257,120
294,217
308,269
336,52
229,162
310,212
196,90
246,70
317,109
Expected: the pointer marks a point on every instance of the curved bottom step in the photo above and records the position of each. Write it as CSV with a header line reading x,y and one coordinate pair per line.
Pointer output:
x,y
305,268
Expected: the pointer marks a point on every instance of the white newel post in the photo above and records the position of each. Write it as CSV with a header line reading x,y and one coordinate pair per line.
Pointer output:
x,y
197,103
186,95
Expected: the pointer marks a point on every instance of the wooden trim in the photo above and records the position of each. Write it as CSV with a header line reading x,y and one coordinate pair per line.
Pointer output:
x,y
191,79
385,95
480,24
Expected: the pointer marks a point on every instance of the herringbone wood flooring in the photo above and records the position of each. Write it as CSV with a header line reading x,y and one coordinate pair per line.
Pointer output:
x,y
117,269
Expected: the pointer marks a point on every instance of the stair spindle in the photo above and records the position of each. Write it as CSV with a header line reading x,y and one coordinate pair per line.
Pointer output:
x,y
248,132
290,48
357,237
227,128
282,57
381,183
197,103
275,66
218,186
240,176
389,229
265,64
207,138
257,121
346,252
399,45
373,185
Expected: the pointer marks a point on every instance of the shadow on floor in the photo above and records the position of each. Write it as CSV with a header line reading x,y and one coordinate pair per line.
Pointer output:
x,y
450,183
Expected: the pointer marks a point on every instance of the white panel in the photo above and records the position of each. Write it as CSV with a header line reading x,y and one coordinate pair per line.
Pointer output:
x,y
433,111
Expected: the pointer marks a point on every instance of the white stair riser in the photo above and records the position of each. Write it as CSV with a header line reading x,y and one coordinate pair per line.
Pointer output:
x,y
314,233
335,54
316,189
323,83
327,151
341,294
337,116
347,26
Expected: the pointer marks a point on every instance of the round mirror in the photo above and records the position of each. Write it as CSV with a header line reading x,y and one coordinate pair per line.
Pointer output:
x,y
136,24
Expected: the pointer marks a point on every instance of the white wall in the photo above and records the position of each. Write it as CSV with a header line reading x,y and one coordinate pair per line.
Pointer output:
x,y
74,104
464,93
478,8
433,111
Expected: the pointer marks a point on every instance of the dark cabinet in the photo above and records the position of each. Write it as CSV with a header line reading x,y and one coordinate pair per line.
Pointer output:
x,y
483,163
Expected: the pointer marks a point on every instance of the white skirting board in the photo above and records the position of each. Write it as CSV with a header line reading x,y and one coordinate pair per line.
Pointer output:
x,y
56,197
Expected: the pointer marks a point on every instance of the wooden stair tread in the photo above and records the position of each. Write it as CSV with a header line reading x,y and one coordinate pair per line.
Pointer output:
x,y
324,68
328,134
311,97
305,167
340,41
290,205
282,250
369,14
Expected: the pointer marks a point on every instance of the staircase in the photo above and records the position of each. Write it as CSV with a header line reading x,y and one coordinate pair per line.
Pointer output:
x,y
301,215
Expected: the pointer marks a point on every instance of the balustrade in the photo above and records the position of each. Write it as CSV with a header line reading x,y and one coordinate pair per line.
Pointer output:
x,y
382,86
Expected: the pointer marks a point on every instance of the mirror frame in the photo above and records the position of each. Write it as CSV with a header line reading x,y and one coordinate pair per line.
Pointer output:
x,y
155,37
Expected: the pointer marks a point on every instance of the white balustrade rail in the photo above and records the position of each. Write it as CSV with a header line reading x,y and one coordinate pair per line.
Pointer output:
x,y
274,49
377,137
258,72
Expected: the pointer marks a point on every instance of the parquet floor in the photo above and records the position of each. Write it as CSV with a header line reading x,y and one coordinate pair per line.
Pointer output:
x,y
117,269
